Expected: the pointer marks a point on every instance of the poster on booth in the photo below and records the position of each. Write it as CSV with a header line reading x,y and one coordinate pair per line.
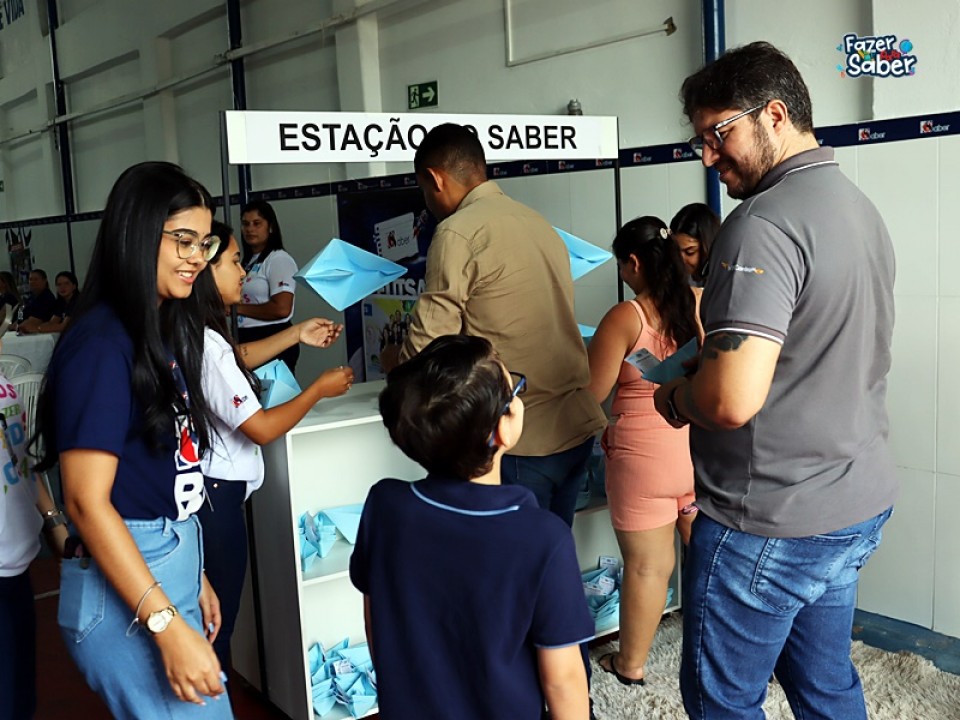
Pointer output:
x,y
386,321
395,225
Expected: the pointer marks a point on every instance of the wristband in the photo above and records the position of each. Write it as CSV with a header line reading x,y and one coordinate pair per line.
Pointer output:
x,y
672,410
53,518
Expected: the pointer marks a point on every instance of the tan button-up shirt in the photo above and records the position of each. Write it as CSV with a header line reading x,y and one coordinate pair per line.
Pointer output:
x,y
498,270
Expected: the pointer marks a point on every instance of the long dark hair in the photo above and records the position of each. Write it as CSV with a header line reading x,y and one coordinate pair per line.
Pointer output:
x,y
663,273
123,276
274,239
702,224
210,303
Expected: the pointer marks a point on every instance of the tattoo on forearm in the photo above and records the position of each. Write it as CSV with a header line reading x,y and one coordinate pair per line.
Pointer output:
x,y
722,342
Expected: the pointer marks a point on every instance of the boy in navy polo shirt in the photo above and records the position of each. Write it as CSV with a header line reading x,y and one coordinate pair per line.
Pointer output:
x,y
472,594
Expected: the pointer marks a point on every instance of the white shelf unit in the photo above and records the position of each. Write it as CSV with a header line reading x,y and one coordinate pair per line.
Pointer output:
x,y
332,458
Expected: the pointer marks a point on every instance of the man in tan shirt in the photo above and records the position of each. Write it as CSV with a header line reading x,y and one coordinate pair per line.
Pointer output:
x,y
498,270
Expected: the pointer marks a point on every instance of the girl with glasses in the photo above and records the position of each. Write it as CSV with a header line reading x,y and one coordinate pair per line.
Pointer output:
x,y
124,411
233,466
649,473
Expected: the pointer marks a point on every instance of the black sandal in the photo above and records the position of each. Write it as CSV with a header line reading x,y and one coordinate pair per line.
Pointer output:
x,y
616,673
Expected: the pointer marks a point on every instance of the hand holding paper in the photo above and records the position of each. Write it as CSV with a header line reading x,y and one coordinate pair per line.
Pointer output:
x,y
670,369
279,384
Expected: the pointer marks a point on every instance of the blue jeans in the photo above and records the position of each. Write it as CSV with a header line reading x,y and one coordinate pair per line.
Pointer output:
x,y
754,605
127,671
554,479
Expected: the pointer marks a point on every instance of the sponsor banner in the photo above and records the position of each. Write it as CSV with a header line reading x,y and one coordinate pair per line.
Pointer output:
x,y
255,137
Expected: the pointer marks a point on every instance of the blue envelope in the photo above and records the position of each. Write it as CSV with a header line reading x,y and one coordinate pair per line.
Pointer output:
x,y
279,384
584,256
343,274
672,367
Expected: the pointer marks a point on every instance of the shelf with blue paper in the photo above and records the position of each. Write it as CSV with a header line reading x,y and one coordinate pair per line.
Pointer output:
x,y
329,460
328,557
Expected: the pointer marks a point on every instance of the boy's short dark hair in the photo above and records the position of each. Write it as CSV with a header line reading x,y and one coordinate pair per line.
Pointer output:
x,y
442,406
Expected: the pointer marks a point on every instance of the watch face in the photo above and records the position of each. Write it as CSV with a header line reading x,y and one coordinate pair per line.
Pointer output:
x,y
158,621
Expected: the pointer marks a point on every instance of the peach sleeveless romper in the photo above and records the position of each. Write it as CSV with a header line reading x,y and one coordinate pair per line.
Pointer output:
x,y
648,468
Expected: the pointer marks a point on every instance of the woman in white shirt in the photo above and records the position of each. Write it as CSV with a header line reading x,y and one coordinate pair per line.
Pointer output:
x,y
267,303
233,467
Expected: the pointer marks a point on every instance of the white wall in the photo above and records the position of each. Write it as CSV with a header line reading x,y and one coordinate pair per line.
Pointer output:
x,y
112,48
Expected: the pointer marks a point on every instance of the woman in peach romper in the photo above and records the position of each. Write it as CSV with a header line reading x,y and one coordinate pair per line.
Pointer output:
x,y
648,468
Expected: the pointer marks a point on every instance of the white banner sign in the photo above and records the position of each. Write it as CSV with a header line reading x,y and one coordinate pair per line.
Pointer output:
x,y
255,137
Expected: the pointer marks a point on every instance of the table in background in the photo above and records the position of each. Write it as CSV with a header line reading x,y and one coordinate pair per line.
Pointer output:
x,y
36,348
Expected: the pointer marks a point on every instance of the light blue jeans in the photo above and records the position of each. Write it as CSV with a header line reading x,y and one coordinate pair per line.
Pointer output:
x,y
754,605
127,672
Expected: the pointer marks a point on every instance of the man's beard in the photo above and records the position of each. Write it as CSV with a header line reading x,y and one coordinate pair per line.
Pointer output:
x,y
750,171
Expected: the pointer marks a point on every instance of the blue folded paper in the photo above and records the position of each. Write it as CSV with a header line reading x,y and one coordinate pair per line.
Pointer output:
x,y
343,274
318,533
344,675
584,256
672,367
279,384
602,588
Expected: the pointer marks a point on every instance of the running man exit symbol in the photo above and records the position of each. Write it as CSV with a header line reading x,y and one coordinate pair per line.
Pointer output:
x,y
422,95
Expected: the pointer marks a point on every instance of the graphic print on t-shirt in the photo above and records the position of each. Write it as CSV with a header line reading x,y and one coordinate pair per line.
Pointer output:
x,y
188,484
14,437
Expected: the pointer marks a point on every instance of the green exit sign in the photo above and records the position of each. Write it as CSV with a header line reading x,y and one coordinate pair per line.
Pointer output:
x,y
422,95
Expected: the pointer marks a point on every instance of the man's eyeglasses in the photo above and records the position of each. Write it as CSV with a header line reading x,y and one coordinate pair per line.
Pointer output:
x,y
519,382
712,137
188,243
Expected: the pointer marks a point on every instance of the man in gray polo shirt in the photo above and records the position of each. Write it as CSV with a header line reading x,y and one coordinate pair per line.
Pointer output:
x,y
787,408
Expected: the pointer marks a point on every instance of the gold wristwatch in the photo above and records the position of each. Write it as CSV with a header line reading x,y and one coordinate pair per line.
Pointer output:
x,y
159,620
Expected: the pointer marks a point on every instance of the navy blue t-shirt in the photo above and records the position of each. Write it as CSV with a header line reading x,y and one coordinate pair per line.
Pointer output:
x,y
90,375
40,306
465,582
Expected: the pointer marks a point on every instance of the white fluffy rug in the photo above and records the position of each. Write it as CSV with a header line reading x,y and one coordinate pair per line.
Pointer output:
x,y
898,686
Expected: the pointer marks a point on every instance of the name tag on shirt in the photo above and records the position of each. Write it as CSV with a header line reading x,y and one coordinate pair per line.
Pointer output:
x,y
643,360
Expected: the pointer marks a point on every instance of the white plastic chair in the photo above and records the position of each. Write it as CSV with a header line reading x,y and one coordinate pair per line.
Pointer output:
x,y
28,387
14,365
